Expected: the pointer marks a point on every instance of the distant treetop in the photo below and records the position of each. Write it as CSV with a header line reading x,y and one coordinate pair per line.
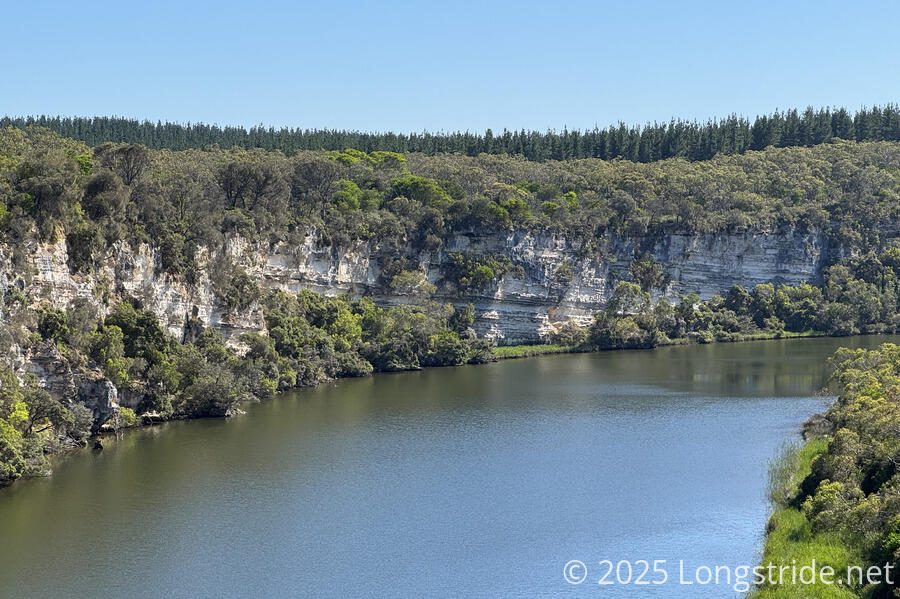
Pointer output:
x,y
691,140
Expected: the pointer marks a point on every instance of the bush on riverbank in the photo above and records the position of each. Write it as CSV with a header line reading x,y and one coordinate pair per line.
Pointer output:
x,y
838,499
31,420
311,338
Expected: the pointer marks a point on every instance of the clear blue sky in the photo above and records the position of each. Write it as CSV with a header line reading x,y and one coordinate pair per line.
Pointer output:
x,y
409,66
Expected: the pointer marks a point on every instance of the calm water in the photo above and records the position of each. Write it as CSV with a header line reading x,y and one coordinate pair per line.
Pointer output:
x,y
474,481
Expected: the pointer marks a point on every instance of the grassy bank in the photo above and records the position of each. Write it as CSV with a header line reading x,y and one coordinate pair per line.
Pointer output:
x,y
790,538
837,498
505,352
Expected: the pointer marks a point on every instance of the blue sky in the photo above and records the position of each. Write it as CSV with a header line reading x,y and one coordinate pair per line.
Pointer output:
x,y
410,66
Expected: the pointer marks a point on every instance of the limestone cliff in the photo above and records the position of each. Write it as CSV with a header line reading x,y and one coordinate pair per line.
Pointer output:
x,y
554,284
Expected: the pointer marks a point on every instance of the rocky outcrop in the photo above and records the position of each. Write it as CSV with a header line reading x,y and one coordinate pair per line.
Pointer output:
x,y
555,284
98,394
69,384
816,427
52,371
522,310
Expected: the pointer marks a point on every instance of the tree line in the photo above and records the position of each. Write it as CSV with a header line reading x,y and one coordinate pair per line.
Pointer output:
x,y
691,140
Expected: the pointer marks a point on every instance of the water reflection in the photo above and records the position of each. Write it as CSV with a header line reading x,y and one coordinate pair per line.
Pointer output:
x,y
462,481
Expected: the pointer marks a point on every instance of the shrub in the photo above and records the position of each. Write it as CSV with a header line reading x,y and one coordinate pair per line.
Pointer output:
x,y
127,417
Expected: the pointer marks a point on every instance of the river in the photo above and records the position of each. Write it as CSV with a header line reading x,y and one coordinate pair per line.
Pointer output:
x,y
477,481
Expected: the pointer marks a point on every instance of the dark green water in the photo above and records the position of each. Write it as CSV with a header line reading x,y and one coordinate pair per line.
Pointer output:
x,y
459,482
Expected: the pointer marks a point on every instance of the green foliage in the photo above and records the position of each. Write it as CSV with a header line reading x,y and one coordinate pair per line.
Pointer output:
x,y
463,318
468,272
183,201
12,462
238,291
127,417
83,242
45,412
407,337
647,273
791,540
312,338
85,164
446,349
569,335
108,350
29,419
412,282
348,196
837,495
524,351
52,324
351,156
847,304
210,389
421,189
789,468
391,161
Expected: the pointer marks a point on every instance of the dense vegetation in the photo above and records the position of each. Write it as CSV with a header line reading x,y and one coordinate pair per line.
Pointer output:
x,y
404,204
657,141
32,424
838,498
310,339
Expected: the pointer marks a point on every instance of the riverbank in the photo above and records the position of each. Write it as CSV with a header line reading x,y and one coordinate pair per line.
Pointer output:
x,y
97,368
208,398
481,462
125,417
835,496
507,352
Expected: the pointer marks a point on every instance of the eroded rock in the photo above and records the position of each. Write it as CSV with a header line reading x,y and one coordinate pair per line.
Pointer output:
x,y
98,394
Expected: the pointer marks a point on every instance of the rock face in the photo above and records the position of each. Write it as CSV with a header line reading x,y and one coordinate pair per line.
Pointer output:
x,y
552,283
522,310
557,285
99,395
52,371
71,385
